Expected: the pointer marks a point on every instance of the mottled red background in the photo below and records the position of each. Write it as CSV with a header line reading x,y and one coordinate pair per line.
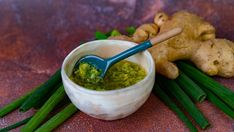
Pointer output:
x,y
36,35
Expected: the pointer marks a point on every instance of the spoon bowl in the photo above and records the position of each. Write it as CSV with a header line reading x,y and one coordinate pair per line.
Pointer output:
x,y
96,61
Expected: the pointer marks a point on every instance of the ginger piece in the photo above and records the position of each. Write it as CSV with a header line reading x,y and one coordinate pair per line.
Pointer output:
x,y
121,37
194,27
182,46
165,53
196,43
160,18
145,32
142,33
215,57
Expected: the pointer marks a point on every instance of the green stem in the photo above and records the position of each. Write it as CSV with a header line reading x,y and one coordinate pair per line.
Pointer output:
x,y
115,33
221,91
166,100
100,36
192,89
58,119
173,88
130,30
16,103
216,101
8,128
40,103
44,110
41,92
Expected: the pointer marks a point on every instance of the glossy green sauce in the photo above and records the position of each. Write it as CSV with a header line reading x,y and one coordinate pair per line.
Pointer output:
x,y
120,75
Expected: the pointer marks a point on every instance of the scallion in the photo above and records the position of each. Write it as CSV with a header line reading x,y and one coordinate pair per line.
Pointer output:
x,y
42,91
221,91
173,89
58,119
166,99
44,110
8,128
191,88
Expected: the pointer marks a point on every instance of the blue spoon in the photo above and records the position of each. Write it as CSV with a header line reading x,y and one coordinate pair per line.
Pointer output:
x,y
104,64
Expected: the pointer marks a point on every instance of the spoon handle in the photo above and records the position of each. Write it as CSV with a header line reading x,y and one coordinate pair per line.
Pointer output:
x,y
143,46
165,36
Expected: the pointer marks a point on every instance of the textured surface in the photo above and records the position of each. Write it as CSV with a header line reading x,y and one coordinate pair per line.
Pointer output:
x,y
36,35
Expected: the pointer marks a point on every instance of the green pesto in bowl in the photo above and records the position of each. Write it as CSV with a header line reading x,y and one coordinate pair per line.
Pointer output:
x,y
120,75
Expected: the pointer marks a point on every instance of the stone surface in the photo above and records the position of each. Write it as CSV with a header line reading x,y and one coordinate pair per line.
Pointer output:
x,y
36,35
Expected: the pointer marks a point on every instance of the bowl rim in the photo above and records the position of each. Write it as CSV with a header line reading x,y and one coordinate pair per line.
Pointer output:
x,y
114,91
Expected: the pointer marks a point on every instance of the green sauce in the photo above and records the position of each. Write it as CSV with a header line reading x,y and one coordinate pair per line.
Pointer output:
x,y
120,75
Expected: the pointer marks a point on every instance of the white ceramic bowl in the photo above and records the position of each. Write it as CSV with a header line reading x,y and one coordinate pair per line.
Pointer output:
x,y
113,104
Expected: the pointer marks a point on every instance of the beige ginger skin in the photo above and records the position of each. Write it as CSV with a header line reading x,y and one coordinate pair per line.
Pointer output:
x,y
197,43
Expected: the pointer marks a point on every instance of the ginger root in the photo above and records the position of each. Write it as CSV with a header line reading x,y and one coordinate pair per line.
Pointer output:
x,y
215,57
145,32
197,43
160,18
142,33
